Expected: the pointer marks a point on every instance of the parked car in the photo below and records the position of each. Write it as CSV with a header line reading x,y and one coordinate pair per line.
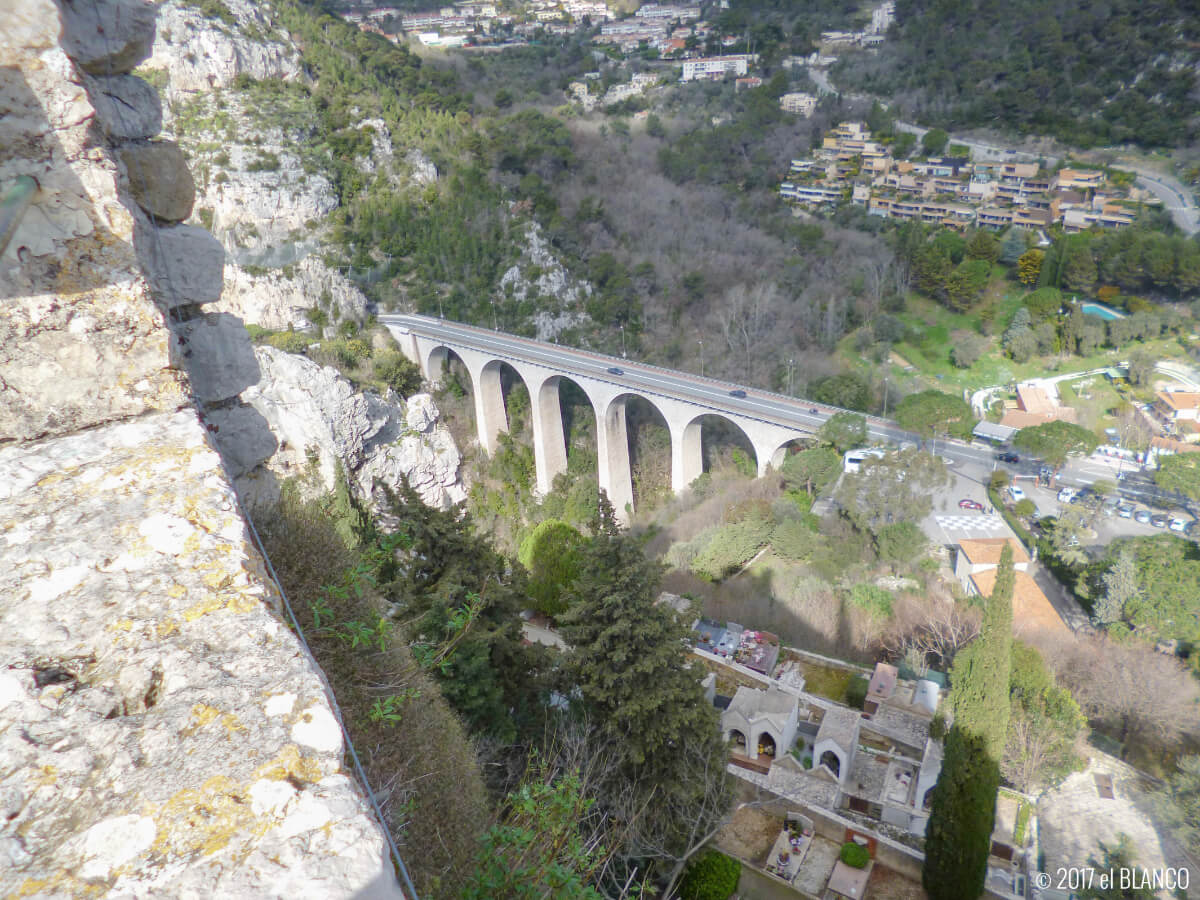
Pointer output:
x,y
966,503
1016,493
1066,495
1109,507
1125,511
1009,458
1179,525
1160,520
1143,516
739,394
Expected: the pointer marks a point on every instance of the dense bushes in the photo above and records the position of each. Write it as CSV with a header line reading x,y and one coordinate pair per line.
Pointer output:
x,y
1111,74
713,876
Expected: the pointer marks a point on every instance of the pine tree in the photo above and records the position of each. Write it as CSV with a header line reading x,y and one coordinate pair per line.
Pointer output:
x,y
628,667
958,838
453,589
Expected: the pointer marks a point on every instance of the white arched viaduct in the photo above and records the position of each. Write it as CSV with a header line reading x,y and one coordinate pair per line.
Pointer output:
x,y
681,398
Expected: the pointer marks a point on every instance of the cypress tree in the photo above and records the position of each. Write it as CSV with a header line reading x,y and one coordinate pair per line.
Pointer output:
x,y
963,813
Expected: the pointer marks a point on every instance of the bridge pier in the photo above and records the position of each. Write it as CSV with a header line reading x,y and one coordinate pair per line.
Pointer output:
x,y
612,456
549,441
491,418
687,454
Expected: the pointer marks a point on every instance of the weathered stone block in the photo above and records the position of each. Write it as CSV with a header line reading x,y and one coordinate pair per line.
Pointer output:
x,y
126,107
216,352
243,436
108,37
183,263
159,179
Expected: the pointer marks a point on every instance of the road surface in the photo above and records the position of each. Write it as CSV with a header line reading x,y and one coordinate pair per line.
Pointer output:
x,y
1175,196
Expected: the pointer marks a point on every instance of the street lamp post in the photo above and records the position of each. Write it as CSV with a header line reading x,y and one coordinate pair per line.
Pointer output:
x,y
495,318
791,363
623,340
701,343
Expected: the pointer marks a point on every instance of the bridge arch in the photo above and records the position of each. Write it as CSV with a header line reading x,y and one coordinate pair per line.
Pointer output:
x,y
691,455
613,451
788,447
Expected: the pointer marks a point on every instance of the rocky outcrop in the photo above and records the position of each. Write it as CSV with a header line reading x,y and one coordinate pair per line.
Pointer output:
x,y
281,298
315,412
542,274
200,53
162,731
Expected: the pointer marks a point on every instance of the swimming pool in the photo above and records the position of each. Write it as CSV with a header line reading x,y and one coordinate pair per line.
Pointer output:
x,y
1101,311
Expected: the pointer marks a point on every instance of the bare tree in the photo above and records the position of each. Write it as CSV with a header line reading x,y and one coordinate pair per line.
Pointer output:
x,y
936,628
1137,692
745,318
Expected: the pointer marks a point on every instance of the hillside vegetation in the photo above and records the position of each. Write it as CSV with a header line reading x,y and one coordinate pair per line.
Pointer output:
x,y
1089,74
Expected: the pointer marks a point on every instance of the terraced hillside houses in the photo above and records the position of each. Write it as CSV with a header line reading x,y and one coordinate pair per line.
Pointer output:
x,y
853,167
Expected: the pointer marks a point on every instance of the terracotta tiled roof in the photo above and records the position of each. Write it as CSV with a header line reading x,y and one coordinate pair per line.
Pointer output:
x,y
1031,608
986,551
1179,400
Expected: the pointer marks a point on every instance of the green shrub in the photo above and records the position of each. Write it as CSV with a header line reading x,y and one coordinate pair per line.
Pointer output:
x,y
266,162
730,548
1025,508
399,372
856,691
937,726
875,600
288,341
347,353
855,855
714,876
794,539
552,554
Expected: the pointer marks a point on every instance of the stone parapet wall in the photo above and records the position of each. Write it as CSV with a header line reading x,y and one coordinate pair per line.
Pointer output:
x,y
162,731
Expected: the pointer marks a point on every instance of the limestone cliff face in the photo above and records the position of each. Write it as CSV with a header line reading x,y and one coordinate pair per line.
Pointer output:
x,y
281,298
162,732
201,53
315,411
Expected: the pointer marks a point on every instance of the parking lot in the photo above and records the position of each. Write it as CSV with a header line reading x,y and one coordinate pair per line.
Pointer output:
x,y
1107,527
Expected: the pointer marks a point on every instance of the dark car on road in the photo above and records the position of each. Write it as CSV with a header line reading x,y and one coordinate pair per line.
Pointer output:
x,y
1009,458
741,395
615,371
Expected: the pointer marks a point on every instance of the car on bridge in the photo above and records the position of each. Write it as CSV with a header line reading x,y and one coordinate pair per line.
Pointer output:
x,y
615,371
740,394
